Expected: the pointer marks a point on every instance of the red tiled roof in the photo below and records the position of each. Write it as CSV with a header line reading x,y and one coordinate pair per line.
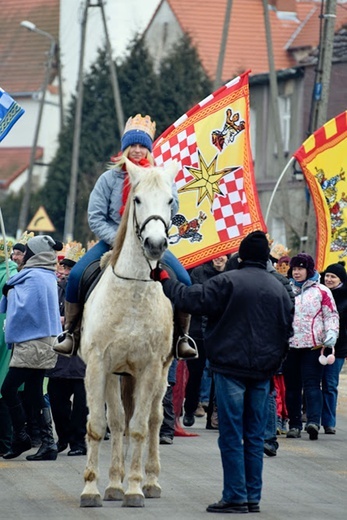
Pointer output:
x,y
23,53
14,161
246,44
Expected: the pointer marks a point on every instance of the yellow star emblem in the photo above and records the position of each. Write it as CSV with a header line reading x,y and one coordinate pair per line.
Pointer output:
x,y
206,179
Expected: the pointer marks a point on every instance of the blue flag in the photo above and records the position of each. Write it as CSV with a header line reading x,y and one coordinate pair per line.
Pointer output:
x,y
10,112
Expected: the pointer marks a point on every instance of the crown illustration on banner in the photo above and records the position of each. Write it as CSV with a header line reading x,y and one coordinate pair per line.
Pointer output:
x,y
25,237
141,123
74,251
9,245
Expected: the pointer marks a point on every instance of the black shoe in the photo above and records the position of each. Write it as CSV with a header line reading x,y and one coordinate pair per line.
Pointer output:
x,y
165,440
227,507
188,420
253,507
18,447
269,450
77,452
61,446
330,430
312,430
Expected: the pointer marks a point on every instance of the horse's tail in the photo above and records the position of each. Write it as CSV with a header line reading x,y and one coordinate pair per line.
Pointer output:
x,y
127,393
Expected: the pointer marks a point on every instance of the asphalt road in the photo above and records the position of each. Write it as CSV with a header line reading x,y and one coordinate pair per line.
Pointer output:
x,y
306,480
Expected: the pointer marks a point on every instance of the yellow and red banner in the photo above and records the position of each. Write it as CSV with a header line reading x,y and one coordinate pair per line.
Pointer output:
x,y
323,160
217,193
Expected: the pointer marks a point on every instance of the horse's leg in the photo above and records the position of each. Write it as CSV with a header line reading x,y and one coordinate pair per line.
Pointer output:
x,y
116,423
151,487
144,392
96,424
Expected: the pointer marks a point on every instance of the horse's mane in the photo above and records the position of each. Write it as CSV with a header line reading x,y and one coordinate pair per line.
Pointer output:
x,y
119,240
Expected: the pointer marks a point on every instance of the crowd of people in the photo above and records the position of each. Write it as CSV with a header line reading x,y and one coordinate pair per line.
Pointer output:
x,y
263,336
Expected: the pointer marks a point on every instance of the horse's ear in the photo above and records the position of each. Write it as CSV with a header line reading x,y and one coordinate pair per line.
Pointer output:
x,y
172,169
133,170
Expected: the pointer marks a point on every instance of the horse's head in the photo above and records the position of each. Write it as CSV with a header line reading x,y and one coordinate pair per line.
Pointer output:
x,y
152,200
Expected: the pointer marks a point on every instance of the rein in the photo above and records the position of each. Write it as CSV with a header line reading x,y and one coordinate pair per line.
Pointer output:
x,y
138,231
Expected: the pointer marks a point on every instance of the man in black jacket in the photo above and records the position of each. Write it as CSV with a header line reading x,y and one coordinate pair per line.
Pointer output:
x,y
249,324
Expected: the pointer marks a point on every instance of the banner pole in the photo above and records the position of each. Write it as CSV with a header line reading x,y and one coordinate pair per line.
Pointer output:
x,y
291,160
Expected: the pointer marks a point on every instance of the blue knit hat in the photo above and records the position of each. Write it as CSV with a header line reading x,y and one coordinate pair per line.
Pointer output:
x,y
138,130
136,137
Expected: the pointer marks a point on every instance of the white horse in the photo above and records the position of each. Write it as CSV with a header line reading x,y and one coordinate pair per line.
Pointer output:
x,y
126,344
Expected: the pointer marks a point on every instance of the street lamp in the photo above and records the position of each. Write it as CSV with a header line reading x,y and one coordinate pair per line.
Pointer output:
x,y
24,210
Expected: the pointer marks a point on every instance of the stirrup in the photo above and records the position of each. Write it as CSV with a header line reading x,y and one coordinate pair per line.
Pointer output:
x,y
59,339
191,343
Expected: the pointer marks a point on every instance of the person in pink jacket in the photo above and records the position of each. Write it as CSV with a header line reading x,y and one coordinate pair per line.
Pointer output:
x,y
316,324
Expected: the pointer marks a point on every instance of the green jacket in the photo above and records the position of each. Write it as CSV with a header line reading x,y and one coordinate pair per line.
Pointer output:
x,y
5,353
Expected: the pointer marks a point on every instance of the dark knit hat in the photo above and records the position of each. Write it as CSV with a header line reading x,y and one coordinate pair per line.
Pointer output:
x,y
337,269
67,262
19,246
302,260
255,247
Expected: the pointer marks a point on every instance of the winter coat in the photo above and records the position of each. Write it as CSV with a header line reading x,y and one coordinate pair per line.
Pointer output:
x,y
31,306
201,274
315,314
37,354
5,353
105,202
249,319
68,368
340,297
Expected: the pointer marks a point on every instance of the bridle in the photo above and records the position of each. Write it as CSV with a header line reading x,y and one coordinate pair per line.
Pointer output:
x,y
138,231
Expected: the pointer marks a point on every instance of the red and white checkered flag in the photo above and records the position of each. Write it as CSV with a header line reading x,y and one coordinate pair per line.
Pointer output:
x,y
216,186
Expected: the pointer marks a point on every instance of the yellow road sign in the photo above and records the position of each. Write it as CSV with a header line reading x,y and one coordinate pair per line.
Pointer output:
x,y
41,222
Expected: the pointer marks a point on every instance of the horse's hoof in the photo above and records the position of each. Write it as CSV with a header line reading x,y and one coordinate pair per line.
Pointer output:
x,y
113,494
90,501
152,491
133,501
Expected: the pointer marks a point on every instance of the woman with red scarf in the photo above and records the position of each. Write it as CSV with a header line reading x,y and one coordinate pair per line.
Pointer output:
x,y
106,205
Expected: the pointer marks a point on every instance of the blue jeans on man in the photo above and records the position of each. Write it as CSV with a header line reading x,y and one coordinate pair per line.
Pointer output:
x,y
242,414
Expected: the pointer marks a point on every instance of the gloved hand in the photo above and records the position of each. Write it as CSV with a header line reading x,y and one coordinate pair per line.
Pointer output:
x,y
159,275
330,339
6,288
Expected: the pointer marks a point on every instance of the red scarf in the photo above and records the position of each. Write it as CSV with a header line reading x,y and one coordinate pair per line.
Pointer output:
x,y
144,163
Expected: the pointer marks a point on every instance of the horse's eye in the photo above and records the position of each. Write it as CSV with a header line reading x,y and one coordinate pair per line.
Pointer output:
x,y
136,200
171,201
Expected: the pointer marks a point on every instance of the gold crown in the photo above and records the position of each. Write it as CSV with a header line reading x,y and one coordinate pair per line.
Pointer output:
x,y
141,123
9,245
25,237
74,251
279,250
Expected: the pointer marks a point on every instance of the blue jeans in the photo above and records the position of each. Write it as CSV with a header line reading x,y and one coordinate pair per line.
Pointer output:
x,y
96,252
271,423
242,414
302,371
330,385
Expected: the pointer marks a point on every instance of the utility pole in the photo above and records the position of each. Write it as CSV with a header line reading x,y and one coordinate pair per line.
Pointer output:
x,y
71,200
276,114
219,72
320,100
24,210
